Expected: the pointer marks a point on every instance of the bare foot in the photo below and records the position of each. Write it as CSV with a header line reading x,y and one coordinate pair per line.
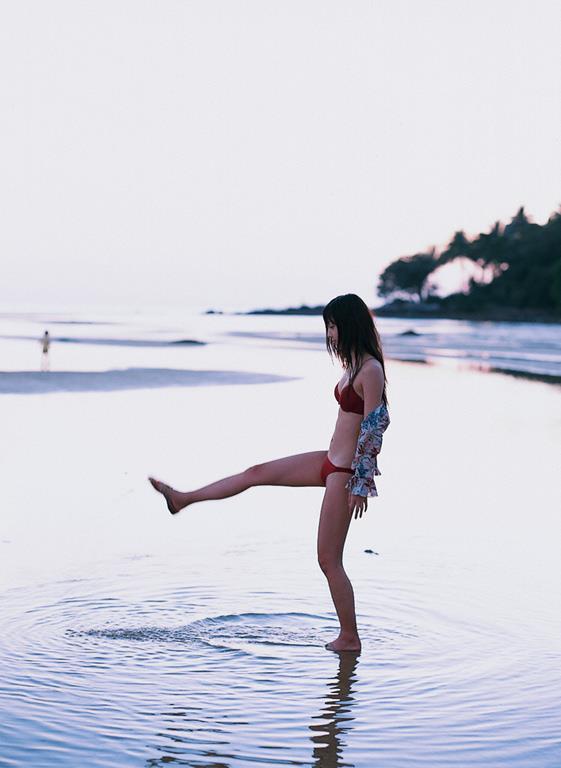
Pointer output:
x,y
171,496
341,644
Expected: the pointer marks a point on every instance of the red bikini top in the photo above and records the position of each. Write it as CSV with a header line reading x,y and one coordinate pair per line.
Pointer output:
x,y
349,400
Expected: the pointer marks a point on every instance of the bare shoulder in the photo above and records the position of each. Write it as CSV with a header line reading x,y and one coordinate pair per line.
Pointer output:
x,y
371,371
370,379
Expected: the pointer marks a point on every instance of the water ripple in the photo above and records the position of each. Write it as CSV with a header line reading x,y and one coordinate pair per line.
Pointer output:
x,y
90,677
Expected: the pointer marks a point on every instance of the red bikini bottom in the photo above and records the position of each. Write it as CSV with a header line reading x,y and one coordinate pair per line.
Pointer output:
x,y
327,468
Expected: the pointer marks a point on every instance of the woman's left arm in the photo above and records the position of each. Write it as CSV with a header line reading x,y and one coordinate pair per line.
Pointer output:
x,y
372,381
361,484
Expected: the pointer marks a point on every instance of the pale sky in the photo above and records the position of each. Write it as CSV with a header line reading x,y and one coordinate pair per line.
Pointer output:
x,y
243,153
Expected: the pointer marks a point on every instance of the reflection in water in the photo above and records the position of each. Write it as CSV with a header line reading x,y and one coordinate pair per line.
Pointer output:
x,y
186,727
335,716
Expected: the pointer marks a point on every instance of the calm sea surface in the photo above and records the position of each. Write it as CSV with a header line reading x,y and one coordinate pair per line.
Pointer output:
x,y
131,638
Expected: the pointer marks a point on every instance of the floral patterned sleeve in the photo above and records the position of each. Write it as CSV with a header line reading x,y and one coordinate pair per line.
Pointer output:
x,y
368,446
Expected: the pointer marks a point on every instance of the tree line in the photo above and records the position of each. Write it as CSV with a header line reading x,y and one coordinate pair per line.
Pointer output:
x,y
519,267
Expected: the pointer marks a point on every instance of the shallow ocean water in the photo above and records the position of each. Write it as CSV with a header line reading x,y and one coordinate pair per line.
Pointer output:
x,y
133,638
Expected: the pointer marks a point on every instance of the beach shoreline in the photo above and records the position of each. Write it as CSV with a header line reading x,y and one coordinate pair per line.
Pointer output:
x,y
415,312
455,560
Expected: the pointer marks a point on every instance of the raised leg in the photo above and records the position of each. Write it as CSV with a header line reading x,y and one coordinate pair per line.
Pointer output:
x,y
302,469
334,524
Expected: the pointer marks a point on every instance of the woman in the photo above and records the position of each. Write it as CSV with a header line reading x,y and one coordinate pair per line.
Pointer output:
x,y
346,470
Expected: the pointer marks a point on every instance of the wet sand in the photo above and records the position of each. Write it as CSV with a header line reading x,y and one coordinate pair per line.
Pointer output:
x,y
136,637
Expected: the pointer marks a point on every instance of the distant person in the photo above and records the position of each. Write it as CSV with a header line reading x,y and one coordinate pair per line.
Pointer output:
x,y
346,470
46,343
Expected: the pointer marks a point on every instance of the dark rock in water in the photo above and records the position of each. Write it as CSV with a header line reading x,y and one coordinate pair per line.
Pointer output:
x,y
188,341
410,332
371,552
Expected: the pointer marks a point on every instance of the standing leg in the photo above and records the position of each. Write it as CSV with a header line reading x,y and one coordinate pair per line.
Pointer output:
x,y
333,527
302,469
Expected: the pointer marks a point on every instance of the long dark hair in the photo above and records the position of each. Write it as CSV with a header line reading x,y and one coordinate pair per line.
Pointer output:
x,y
357,334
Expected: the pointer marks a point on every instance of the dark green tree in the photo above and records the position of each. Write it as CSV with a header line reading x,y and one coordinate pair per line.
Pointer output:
x,y
522,263
458,246
408,275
